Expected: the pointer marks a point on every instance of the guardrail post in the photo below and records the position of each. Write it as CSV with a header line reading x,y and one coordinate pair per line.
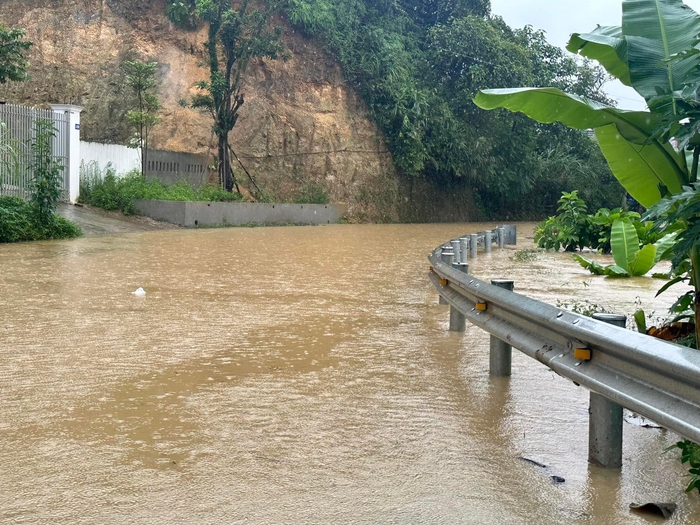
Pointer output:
x,y
464,246
487,241
500,352
455,248
473,245
501,237
605,419
447,256
458,322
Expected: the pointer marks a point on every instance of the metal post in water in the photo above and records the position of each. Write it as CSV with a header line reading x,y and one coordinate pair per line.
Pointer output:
x,y
473,245
457,320
605,418
456,249
464,245
447,256
487,241
500,352
501,237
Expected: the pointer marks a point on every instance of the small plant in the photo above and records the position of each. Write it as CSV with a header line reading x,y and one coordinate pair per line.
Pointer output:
x,y
568,229
630,259
47,180
690,454
312,193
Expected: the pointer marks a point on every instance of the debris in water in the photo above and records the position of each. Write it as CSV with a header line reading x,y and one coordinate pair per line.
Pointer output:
x,y
660,509
555,479
635,419
139,291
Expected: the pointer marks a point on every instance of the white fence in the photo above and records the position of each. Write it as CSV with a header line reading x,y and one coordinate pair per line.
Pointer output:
x,y
19,127
122,159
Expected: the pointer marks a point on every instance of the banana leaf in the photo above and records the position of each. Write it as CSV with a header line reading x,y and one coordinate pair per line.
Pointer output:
x,y
591,266
607,45
641,164
643,260
624,242
656,30
641,169
663,245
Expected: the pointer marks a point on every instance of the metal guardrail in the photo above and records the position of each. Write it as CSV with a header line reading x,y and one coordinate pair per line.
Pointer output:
x,y
654,378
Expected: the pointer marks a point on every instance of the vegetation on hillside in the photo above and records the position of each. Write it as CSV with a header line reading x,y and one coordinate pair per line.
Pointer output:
x,y
419,64
13,49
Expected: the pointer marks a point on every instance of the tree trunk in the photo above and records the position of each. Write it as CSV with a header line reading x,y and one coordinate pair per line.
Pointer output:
x,y
695,282
225,174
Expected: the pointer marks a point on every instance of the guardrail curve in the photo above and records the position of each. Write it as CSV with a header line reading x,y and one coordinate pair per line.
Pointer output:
x,y
655,378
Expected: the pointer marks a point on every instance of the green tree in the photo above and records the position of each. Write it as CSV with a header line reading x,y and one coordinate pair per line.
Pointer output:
x,y
47,173
418,64
141,78
13,64
236,37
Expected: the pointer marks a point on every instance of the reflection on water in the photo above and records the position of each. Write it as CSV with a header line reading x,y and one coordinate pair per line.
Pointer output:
x,y
293,375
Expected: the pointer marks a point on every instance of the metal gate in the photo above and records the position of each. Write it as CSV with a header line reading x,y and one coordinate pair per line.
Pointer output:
x,y
18,126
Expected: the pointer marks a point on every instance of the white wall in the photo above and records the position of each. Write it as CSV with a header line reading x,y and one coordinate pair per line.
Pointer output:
x,y
123,159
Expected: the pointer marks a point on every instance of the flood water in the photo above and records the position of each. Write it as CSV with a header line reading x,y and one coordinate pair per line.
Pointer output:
x,y
295,375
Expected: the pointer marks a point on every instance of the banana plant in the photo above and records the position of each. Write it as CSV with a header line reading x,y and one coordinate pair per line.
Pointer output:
x,y
630,259
653,53
656,51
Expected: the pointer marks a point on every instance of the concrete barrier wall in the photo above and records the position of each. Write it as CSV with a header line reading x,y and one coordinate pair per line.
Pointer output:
x,y
196,214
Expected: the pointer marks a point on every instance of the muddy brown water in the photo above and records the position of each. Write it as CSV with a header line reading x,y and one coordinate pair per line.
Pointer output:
x,y
294,375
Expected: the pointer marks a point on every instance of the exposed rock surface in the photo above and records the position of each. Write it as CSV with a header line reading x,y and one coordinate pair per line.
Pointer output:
x,y
301,124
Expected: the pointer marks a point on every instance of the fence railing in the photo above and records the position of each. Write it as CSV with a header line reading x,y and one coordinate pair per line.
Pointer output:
x,y
621,368
18,130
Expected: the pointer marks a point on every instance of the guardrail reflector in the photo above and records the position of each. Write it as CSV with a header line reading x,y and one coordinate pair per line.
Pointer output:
x,y
443,282
480,306
583,354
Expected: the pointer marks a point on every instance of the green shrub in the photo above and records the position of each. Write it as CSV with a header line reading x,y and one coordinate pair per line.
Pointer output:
x,y
47,173
19,221
114,193
312,193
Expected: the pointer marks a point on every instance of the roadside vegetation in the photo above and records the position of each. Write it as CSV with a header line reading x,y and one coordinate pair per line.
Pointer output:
x,y
655,52
110,192
35,220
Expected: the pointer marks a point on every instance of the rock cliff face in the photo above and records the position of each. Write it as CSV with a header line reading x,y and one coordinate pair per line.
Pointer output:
x,y
301,126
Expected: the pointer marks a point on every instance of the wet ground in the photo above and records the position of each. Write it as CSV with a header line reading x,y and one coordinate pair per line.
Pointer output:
x,y
295,375
95,221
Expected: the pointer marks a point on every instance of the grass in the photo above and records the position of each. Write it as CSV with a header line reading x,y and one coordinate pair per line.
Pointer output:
x,y
113,193
19,221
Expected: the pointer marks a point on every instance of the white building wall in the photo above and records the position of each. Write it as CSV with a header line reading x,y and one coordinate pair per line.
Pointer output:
x,y
123,159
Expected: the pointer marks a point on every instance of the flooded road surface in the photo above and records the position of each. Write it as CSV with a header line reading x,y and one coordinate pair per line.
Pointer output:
x,y
294,375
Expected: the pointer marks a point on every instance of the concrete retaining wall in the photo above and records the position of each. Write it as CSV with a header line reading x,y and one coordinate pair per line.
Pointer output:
x,y
195,214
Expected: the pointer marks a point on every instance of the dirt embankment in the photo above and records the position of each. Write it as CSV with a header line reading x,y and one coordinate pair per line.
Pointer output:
x,y
301,123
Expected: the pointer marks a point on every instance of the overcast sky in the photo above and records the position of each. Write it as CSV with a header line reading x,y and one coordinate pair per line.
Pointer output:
x,y
560,18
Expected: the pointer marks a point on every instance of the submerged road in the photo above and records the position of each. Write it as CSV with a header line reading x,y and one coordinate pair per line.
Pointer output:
x,y
296,375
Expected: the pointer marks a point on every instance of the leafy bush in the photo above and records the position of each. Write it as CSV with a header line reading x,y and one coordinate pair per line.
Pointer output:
x,y
19,221
569,229
114,193
312,193
47,173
